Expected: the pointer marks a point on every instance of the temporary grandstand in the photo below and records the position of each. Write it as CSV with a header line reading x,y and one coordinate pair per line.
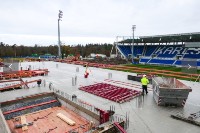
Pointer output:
x,y
172,49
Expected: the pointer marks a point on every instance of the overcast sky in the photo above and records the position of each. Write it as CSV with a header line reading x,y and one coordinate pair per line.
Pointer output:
x,y
30,22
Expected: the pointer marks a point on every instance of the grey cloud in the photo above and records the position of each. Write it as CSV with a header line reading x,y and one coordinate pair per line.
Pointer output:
x,y
97,18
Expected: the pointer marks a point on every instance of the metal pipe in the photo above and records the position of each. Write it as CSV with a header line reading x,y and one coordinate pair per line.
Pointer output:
x,y
59,50
59,43
133,28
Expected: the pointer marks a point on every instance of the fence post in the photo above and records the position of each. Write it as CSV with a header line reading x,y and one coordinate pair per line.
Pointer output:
x,y
75,80
109,75
77,69
73,84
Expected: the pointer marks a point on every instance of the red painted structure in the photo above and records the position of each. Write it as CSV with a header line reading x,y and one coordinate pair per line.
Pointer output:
x,y
17,85
28,107
104,115
119,127
23,74
1,64
111,92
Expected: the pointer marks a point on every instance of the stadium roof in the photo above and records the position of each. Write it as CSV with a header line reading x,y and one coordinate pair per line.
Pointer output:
x,y
183,37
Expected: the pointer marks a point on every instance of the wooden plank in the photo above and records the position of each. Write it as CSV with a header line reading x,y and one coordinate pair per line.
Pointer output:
x,y
66,119
23,121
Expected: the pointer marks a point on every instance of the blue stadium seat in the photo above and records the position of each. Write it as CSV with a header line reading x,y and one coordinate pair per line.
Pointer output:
x,y
144,60
150,49
178,62
165,53
125,49
192,53
198,63
161,61
138,50
169,51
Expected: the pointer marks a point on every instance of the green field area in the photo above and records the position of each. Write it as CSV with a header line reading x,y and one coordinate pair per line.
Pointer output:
x,y
184,70
170,68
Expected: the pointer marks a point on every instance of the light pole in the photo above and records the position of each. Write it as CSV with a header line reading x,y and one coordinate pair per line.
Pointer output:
x,y
133,28
59,43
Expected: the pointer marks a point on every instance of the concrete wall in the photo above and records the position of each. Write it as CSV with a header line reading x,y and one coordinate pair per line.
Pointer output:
x,y
35,96
88,112
3,124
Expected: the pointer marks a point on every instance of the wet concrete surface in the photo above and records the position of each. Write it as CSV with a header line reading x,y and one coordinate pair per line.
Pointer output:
x,y
144,114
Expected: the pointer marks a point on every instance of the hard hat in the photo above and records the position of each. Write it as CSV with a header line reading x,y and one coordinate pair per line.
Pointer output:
x,y
144,75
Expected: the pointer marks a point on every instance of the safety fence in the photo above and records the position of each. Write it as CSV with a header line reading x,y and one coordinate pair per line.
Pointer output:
x,y
74,99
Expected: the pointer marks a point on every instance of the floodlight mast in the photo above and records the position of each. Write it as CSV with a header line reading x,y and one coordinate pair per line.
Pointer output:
x,y
60,14
133,28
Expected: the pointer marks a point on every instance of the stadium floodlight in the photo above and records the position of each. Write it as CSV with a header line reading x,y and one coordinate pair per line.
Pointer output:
x,y
60,14
133,28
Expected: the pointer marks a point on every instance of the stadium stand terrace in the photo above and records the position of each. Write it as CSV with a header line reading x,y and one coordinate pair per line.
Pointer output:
x,y
170,49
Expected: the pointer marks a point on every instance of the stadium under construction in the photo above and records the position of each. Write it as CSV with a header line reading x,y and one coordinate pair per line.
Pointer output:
x,y
76,96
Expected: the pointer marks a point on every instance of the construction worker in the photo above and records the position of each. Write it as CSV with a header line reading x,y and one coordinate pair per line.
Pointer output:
x,y
86,71
144,82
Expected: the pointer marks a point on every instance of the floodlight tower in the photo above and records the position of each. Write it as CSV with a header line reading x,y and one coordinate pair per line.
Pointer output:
x,y
133,28
60,14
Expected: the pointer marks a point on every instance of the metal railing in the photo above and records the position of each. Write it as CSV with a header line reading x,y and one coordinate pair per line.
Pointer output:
x,y
74,99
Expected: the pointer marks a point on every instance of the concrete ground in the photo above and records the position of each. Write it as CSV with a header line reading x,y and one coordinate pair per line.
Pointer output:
x,y
144,114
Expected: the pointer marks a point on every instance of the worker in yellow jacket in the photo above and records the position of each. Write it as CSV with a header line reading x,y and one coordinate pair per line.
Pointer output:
x,y
144,82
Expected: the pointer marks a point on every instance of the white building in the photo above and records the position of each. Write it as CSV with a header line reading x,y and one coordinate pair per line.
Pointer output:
x,y
93,55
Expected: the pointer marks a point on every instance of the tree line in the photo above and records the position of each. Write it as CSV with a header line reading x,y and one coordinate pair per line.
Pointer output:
x,y
15,50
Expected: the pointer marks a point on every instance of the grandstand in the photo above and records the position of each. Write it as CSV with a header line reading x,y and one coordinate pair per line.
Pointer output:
x,y
173,49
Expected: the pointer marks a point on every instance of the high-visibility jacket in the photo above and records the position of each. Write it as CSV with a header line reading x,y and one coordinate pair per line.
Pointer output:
x,y
144,81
